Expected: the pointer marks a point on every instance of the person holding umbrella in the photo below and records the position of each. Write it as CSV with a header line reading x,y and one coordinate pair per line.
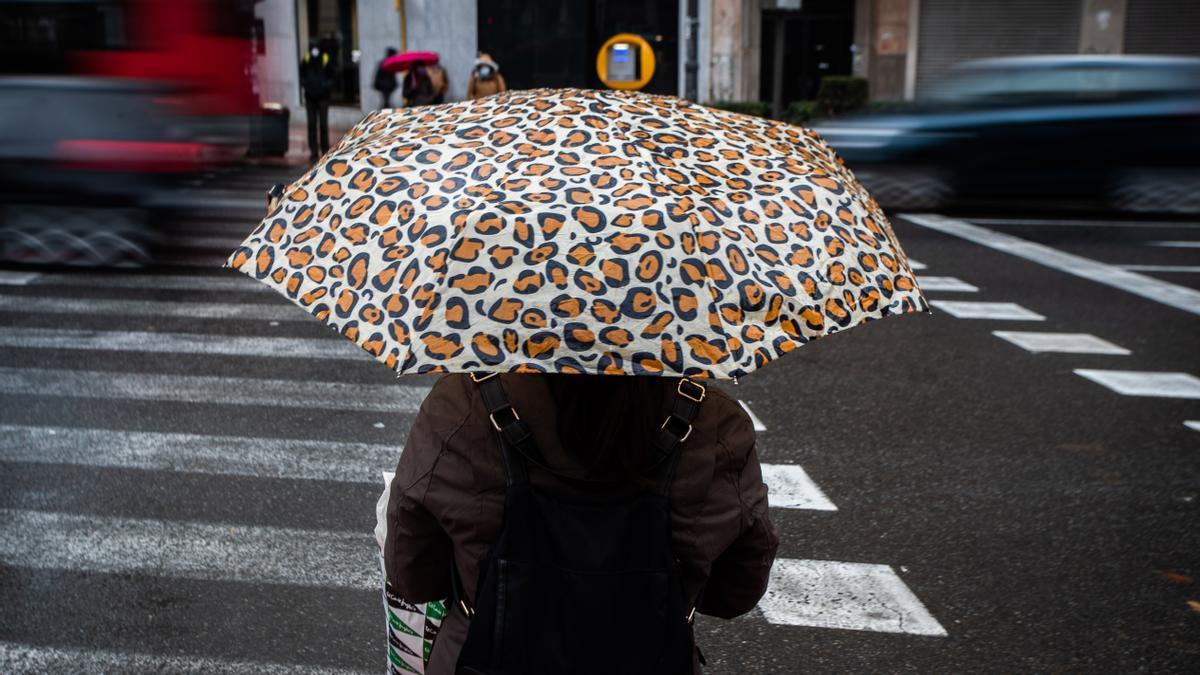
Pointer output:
x,y
583,264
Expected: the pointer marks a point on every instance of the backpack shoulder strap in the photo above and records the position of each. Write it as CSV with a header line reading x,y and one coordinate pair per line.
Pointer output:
x,y
514,433
676,429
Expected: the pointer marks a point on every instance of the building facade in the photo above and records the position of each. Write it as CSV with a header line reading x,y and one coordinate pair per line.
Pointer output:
x,y
709,50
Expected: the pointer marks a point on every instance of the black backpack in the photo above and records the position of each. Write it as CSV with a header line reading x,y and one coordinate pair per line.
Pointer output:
x,y
579,588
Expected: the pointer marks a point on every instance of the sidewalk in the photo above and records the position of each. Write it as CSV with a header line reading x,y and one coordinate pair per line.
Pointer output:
x,y
340,121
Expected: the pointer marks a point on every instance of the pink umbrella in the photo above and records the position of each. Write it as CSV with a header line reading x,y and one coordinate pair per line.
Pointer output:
x,y
405,61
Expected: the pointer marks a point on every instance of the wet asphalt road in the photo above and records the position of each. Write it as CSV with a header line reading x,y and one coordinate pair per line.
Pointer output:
x,y
171,501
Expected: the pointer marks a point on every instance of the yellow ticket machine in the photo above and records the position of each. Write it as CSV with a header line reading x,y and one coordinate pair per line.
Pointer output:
x,y
626,61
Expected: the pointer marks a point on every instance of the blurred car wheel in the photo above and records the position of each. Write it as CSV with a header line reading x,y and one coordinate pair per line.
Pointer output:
x,y
1156,191
907,187
90,237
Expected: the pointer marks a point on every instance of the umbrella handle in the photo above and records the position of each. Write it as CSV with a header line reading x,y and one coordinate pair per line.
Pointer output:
x,y
273,196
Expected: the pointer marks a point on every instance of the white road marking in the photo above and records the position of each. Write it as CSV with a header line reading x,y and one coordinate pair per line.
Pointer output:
x,y
791,488
1173,295
1083,223
279,311
19,659
17,278
205,551
333,347
233,281
389,398
1192,424
758,425
997,311
945,284
1136,383
195,453
849,596
1064,343
1176,244
1185,269
916,265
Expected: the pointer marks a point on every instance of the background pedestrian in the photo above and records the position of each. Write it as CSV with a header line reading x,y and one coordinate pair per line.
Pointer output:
x,y
418,89
385,80
316,79
485,78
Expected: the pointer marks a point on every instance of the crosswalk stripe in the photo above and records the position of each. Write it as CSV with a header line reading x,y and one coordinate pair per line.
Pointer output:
x,y
390,398
996,311
1177,244
1063,343
195,453
233,281
916,265
20,659
758,424
791,488
1140,383
211,552
1173,295
282,311
1182,269
331,348
1194,425
8,278
949,284
1021,222
849,596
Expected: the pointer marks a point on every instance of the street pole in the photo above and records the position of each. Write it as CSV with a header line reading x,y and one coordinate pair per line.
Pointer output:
x,y
691,67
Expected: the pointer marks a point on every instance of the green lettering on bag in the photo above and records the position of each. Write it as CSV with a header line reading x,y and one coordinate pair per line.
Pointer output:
x,y
395,622
435,610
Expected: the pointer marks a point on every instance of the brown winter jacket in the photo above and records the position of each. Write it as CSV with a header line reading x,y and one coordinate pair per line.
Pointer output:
x,y
447,500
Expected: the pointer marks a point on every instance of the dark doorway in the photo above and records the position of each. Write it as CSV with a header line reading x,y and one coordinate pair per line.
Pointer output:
x,y
553,43
333,25
801,47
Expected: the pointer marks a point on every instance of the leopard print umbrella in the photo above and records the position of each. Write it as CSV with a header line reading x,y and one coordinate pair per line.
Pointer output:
x,y
581,231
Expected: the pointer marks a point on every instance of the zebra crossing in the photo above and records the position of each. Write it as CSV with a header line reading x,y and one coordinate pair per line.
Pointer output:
x,y
1124,277
272,540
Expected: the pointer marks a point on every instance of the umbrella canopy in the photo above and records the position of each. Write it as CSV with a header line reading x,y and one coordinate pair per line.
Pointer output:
x,y
582,232
406,60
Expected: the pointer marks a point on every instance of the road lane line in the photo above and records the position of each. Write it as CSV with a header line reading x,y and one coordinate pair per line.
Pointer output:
x,y
1140,383
791,488
1173,295
996,311
952,284
277,311
190,550
1063,343
758,425
331,348
195,453
232,281
389,398
1176,244
849,596
1186,269
20,659
1083,223
8,278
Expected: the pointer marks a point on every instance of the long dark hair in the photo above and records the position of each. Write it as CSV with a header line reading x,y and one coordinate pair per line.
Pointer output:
x,y
609,422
